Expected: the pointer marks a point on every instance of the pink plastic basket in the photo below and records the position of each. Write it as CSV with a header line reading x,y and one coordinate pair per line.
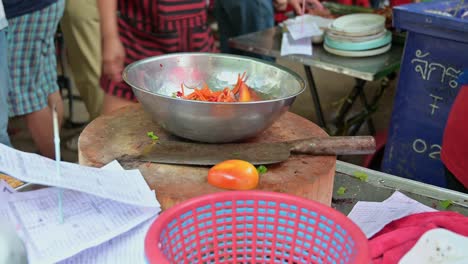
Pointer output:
x,y
254,227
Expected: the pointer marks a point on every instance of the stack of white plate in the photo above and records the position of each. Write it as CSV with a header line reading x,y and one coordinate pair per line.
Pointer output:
x,y
358,35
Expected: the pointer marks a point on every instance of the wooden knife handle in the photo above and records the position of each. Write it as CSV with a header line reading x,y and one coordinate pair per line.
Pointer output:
x,y
352,145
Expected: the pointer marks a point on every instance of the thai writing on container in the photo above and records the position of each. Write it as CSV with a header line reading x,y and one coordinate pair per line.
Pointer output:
x,y
430,70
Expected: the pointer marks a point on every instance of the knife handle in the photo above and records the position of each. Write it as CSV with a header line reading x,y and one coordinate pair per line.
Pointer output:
x,y
352,145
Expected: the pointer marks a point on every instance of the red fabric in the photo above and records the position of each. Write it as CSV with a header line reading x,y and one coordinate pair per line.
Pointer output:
x,y
155,27
400,2
397,238
281,16
364,3
455,142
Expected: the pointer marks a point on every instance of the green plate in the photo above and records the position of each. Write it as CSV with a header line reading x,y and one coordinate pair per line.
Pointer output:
x,y
359,46
357,54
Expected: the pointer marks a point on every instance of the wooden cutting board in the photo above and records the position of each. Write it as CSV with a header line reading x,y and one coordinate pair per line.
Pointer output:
x,y
124,132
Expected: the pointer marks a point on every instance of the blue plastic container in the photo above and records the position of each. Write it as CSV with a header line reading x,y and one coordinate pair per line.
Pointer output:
x,y
435,54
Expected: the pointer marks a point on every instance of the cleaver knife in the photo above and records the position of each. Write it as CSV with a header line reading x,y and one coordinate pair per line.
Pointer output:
x,y
175,152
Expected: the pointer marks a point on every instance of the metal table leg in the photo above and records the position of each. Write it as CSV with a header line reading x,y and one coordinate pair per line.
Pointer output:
x,y
346,107
370,123
315,97
356,122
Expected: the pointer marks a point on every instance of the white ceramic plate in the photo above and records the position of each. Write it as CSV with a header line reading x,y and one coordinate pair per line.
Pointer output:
x,y
360,34
356,54
359,24
337,37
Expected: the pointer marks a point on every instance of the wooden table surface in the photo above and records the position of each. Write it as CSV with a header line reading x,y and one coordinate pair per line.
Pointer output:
x,y
124,132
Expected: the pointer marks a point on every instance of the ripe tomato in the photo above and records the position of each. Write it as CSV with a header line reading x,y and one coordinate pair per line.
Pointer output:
x,y
234,175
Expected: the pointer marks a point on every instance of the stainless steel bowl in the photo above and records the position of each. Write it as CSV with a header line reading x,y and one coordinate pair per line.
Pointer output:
x,y
155,80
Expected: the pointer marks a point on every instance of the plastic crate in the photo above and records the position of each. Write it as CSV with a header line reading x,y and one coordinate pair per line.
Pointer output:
x,y
254,227
434,57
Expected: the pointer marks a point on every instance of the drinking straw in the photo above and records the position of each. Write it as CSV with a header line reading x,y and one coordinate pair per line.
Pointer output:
x,y
57,158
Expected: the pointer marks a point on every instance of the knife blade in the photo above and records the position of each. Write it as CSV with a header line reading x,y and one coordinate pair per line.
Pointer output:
x,y
175,152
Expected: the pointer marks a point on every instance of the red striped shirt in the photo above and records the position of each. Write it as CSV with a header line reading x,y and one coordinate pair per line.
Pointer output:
x,y
154,27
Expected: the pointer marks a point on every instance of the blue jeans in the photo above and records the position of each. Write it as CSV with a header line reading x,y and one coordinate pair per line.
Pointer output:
x,y
239,17
4,88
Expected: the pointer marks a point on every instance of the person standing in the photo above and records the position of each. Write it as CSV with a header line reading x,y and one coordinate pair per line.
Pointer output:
x,y
33,67
4,79
454,153
136,29
81,32
239,17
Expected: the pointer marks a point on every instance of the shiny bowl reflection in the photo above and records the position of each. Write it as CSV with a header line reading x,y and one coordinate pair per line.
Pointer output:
x,y
156,80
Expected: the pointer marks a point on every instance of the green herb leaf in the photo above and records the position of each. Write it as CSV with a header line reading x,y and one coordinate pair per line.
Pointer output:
x,y
261,169
360,175
174,95
152,135
341,190
445,203
236,154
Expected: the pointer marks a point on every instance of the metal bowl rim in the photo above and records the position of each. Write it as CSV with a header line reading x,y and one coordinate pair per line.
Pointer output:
x,y
136,63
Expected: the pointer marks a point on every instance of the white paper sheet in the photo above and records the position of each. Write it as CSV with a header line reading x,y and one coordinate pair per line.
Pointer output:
x,y
299,31
415,206
126,186
291,46
5,191
6,188
12,249
4,195
128,248
88,221
321,22
113,165
371,217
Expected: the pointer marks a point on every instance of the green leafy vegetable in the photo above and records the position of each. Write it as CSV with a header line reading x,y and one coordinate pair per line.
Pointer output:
x,y
445,203
261,169
152,136
341,190
361,175
174,95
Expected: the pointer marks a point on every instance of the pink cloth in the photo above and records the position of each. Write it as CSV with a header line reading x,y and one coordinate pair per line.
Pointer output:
x,y
391,243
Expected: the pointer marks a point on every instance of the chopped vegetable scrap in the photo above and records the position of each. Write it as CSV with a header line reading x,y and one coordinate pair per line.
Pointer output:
x,y
262,169
445,203
233,175
152,136
341,190
239,93
360,175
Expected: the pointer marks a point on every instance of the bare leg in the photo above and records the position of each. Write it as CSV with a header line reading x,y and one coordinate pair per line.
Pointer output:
x,y
56,99
40,125
112,103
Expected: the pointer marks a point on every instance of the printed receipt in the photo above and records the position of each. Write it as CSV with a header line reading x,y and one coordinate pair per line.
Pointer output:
x,y
5,191
127,186
124,249
95,230
290,46
88,221
371,217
